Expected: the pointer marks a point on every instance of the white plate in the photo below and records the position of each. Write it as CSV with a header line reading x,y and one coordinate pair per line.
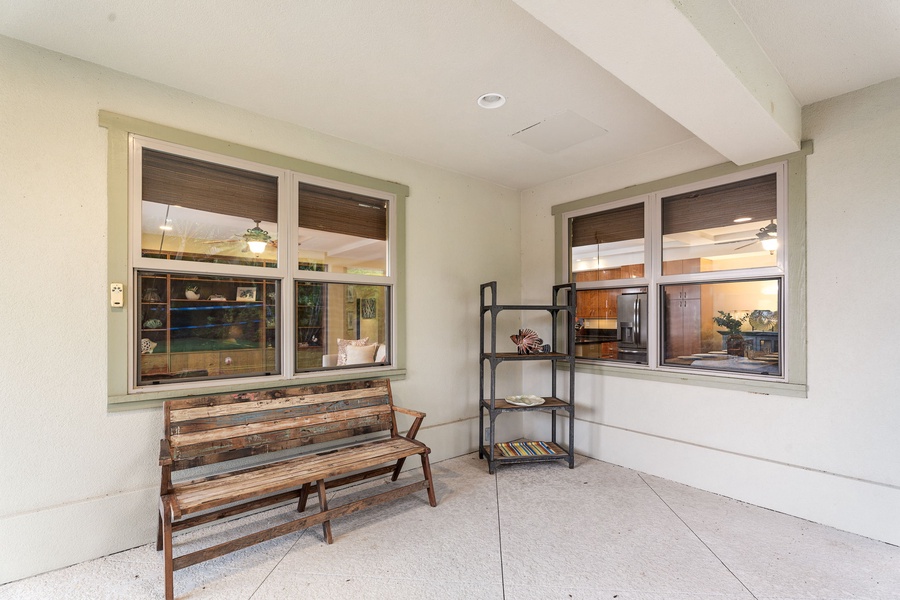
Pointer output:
x,y
525,400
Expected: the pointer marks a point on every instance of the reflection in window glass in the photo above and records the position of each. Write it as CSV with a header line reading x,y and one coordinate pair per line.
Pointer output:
x,y
195,327
612,324
341,325
609,244
343,231
195,210
730,226
725,327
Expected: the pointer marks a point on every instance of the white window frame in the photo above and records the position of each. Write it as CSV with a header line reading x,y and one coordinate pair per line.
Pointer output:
x,y
124,259
792,379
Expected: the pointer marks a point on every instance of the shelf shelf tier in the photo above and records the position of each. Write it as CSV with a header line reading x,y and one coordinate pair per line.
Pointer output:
x,y
549,403
562,348
554,452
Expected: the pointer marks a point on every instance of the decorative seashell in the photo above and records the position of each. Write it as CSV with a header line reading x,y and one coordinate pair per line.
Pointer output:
x,y
153,324
147,346
528,342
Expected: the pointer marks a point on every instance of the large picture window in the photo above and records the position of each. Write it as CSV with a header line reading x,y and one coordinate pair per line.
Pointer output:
x,y
689,278
246,270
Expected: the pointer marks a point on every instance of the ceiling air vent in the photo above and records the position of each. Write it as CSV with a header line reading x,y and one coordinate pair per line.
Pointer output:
x,y
559,132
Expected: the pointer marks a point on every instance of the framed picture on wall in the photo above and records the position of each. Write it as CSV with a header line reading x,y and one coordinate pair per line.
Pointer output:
x,y
246,294
367,308
351,321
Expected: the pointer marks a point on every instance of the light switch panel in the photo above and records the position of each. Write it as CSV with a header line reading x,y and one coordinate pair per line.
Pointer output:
x,y
116,295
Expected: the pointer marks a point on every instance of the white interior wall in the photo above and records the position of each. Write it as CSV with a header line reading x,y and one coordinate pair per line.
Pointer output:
x,y
830,457
79,481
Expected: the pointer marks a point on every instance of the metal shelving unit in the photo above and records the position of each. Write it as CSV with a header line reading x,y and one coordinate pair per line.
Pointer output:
x,y
562,349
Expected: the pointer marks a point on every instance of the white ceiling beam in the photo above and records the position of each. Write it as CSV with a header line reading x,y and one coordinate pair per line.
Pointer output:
x,y
693,59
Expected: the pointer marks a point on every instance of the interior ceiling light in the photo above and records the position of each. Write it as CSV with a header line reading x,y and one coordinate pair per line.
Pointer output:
x,y
257,239
492,100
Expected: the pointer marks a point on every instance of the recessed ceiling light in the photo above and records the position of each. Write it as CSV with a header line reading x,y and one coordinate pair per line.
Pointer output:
x,y
166,227
743,219
492,100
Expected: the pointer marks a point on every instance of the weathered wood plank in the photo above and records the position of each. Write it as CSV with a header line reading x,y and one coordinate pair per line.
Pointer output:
x,y
302,390
286,412
276,424
213,410
224,450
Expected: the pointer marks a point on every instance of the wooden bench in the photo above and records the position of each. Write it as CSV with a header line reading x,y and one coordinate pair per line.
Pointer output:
x,y
220,429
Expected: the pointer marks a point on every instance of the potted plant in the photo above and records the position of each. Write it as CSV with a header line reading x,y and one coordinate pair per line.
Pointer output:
x,y
192,292
734,344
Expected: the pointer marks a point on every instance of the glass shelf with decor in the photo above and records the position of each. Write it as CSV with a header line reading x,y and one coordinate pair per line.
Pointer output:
x,y
197,327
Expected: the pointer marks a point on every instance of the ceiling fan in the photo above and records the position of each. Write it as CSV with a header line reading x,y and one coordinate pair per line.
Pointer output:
x,y
767,236
253,240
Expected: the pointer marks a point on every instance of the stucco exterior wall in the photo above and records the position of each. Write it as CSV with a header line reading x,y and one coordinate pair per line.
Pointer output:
x,y
830,457
79,481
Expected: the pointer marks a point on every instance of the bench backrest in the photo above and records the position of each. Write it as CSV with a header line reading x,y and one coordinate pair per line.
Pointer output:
x,y
211,429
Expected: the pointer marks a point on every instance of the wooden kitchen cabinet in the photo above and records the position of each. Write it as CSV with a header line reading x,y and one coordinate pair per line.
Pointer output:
x,y
687,309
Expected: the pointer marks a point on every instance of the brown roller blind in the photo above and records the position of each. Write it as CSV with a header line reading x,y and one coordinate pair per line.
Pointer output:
x,y
200,185
336,211
614,225
719,206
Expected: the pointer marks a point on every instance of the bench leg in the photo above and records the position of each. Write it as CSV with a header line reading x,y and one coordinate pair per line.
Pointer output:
x,y
426,468
323,506
397,469
159,533
165,521
304,496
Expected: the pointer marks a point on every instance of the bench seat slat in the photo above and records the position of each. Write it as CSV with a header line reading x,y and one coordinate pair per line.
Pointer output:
x,y
203,494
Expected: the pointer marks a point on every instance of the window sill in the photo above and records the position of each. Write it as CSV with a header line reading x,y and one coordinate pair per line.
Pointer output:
x,y
753,386
153,398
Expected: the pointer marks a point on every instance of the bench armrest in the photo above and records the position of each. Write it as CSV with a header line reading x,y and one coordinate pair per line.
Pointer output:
x,y
165,453
407,411
414,428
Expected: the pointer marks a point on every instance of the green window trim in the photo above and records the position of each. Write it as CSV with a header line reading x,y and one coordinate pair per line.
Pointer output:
x,y
795,335
119,127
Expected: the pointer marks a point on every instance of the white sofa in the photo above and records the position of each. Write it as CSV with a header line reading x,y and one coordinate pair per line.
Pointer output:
x,y
330,360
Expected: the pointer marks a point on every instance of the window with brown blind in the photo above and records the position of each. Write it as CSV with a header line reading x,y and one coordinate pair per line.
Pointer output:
x,y
704,293
247,270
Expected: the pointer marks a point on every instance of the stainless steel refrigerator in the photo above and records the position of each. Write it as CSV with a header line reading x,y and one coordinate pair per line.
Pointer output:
x,y
631,315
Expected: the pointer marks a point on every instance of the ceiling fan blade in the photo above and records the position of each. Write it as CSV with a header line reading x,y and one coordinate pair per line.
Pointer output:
x,y
735,241
747,245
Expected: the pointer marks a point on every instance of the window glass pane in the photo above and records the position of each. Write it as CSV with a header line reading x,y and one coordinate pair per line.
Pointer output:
x,y
610,242
731,327
201,211
345,232
731,226
201,327
612,324
328,314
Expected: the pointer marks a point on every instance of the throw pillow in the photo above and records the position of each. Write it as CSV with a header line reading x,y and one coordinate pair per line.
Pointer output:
x,y
342,348
358,355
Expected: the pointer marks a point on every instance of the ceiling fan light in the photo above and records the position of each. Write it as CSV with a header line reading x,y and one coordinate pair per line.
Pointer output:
x,y
257,247
770,244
